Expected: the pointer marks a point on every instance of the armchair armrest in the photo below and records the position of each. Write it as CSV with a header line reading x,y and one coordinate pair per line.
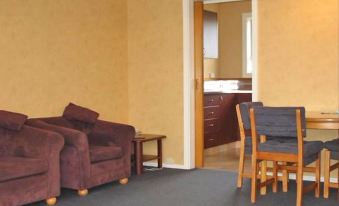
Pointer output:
x,y
55,145
105,132
73,138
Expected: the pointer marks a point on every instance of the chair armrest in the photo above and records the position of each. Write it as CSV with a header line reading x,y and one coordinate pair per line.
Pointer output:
x,y
105,132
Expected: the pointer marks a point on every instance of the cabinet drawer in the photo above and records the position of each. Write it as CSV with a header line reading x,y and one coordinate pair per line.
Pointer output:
x,y
211,140
212,125
211,112
212,100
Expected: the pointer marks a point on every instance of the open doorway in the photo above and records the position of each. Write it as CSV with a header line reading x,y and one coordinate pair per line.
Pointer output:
x,y
227,79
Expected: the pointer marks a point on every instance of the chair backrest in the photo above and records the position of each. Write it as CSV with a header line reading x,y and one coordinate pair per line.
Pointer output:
x,y
245,112
279,121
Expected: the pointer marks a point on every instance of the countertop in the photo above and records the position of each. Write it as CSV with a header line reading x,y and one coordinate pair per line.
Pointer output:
x,y
227,91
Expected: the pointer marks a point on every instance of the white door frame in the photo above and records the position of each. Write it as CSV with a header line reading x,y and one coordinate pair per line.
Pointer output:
x,y
188,74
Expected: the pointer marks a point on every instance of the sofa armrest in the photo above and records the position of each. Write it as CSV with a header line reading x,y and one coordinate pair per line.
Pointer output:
x,y
105,133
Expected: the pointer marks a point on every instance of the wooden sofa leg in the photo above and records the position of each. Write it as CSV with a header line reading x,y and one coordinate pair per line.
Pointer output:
x,y
123,181
51,201
83,192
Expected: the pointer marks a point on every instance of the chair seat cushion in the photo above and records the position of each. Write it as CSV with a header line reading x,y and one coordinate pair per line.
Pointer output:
x,y
102,153
18,167
311,148
248,142
335,155
333,146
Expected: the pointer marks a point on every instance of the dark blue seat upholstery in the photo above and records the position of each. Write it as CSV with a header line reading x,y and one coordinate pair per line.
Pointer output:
x,y
333,147
244,110
279,123
311,149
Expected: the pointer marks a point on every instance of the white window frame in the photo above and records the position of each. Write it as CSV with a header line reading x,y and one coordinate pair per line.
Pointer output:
x,y
245,44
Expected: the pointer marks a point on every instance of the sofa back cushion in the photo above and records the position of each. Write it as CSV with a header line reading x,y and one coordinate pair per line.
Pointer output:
x,y
82,114
11,120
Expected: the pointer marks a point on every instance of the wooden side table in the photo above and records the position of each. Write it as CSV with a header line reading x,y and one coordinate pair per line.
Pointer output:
x,y
138,150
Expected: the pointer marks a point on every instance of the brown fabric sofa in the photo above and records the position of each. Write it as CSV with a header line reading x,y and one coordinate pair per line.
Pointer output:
x,y
29,162
95,151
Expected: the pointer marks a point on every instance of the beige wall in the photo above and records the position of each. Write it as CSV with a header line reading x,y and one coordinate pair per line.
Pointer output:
x,y
230,38
155,72
298,55
53,52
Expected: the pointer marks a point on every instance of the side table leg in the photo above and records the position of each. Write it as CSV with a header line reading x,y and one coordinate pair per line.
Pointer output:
x,y
159,143
139,160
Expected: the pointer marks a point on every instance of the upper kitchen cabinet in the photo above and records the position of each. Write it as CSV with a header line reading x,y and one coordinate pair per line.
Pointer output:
x,y
210,35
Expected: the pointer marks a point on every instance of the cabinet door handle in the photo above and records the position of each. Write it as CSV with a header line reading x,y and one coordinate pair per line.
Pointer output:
x,y
210,139
221,98
211,100
211,125
211,113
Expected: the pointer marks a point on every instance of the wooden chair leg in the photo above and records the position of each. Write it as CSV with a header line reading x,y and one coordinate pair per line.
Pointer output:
x,y
285,178
327,162
241,163
299,184
275,176
254,179
317,176
263,178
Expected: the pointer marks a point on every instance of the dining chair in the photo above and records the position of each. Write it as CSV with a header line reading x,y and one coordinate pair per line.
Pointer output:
x,y
331,153
242,110
284,122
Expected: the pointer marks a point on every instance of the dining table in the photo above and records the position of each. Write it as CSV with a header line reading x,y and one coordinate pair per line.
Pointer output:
x,y
326,121
322,120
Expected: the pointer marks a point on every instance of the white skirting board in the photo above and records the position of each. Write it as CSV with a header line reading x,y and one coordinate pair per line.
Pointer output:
x,y
182,167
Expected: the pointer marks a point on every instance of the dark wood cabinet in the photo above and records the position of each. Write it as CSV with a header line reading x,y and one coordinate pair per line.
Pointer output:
x,y
220,119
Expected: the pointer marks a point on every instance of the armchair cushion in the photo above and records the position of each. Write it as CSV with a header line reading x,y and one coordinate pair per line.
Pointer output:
x,y
75,112
18,167
102,153
11,120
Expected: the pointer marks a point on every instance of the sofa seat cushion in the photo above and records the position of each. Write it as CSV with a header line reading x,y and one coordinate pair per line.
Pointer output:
x,y
311,148
102,153
19,167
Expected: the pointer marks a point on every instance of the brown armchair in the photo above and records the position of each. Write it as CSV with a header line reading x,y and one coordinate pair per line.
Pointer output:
x,y
96,152
29,162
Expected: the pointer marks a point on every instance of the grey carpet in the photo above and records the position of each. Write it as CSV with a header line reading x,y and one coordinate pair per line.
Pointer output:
x,y
171,187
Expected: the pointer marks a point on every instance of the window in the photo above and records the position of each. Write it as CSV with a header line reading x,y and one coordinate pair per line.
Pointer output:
x,y
247,44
